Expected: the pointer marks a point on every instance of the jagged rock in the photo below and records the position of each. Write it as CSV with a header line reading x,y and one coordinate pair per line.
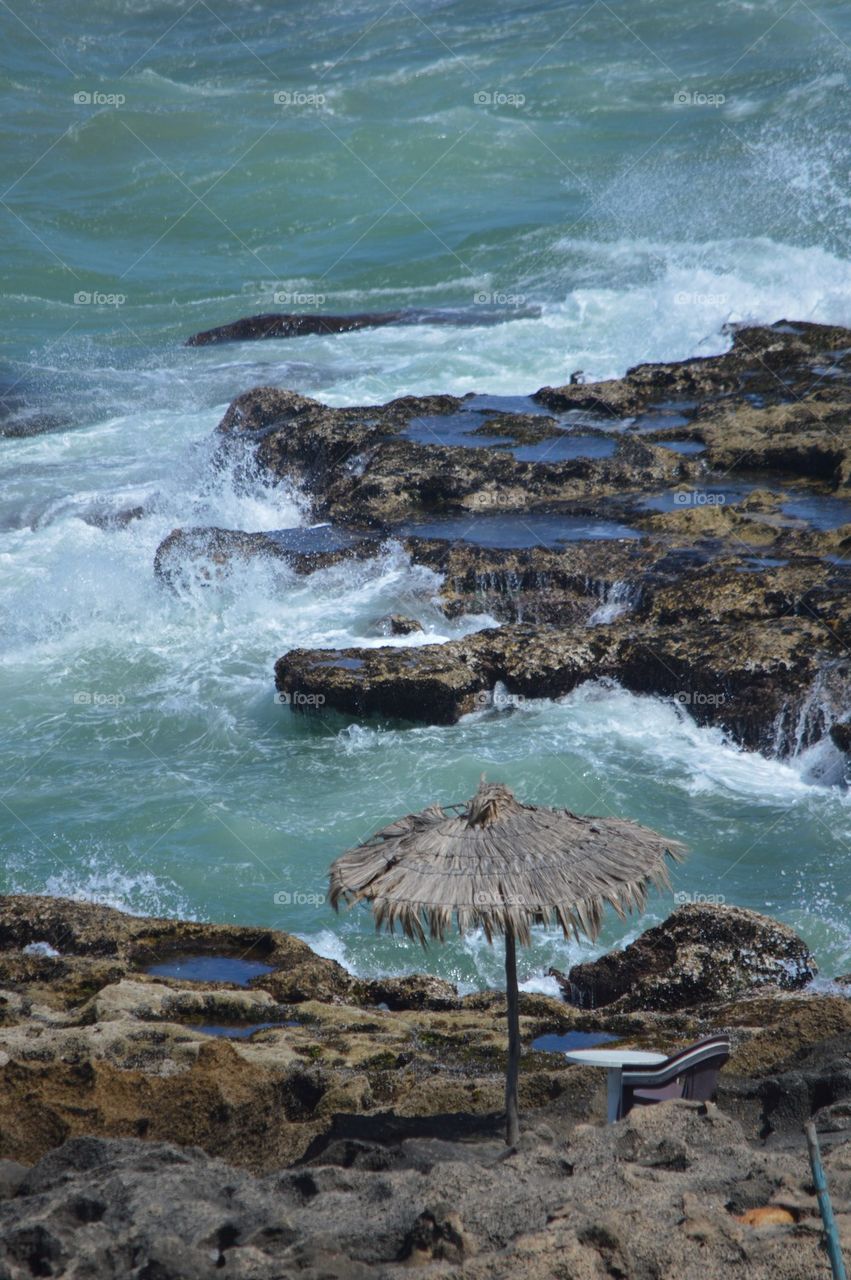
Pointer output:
x,y
564,585
438,683
655,1195
613,397
737,608
263,407
756,682
798,424
809,437
750,366
699,954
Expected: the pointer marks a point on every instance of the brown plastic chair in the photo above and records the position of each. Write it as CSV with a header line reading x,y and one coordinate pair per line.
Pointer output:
x,y
691,1073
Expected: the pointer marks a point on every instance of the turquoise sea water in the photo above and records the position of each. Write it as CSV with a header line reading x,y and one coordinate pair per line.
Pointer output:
x,y
617,181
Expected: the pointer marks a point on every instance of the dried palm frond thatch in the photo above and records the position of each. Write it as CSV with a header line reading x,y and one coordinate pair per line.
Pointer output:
x,y
501,866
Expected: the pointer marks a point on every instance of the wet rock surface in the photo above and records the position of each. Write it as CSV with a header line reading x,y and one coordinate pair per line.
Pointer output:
x,y
766,364
755,685
207,552
703,555
358,1130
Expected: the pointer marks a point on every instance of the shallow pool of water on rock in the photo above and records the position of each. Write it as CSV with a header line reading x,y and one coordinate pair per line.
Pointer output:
x,y
210,968
536,530
563,1042
725,494
454,429
820,512
683,446
315,539
563,448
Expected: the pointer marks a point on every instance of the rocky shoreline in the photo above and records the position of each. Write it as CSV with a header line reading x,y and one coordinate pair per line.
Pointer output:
x,y
684,530
288,1119
181,1097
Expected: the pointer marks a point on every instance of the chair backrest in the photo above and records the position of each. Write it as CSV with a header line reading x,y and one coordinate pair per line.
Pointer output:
x,y
692,1073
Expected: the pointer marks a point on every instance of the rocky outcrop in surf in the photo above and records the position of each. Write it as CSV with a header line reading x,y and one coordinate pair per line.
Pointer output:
x,y
701,952
286,325
290,325
382,464
743,679
684,530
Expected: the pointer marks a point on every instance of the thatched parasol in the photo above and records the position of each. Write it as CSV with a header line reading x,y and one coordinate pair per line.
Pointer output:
x,y
501,866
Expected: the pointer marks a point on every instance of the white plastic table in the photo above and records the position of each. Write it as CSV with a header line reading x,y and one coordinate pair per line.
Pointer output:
x,y
614,1060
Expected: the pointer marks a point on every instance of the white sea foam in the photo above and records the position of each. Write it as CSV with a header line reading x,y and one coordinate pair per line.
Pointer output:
x,y
136,892
202,783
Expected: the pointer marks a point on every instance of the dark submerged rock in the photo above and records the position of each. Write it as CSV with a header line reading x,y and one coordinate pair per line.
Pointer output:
x,y
289,325
286,325
397,624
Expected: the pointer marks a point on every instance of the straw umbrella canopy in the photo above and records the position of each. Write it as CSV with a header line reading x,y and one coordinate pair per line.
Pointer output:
x,y
501,866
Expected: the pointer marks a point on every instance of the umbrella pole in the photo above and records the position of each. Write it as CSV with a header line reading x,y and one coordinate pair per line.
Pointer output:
x,y
512,1122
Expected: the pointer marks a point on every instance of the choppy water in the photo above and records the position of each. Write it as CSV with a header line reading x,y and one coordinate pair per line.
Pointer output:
x,y
145,761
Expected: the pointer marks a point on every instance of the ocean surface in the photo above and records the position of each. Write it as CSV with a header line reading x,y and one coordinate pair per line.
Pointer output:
x,y
613,181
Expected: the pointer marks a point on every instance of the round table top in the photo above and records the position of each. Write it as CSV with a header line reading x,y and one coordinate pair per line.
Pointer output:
x,y
615,1057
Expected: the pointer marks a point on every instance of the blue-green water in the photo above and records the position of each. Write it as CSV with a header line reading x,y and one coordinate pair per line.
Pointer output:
x,y
572,167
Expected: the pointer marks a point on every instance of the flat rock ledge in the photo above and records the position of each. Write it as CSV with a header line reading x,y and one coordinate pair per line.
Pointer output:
x,y
355,1129
753,682
765,405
